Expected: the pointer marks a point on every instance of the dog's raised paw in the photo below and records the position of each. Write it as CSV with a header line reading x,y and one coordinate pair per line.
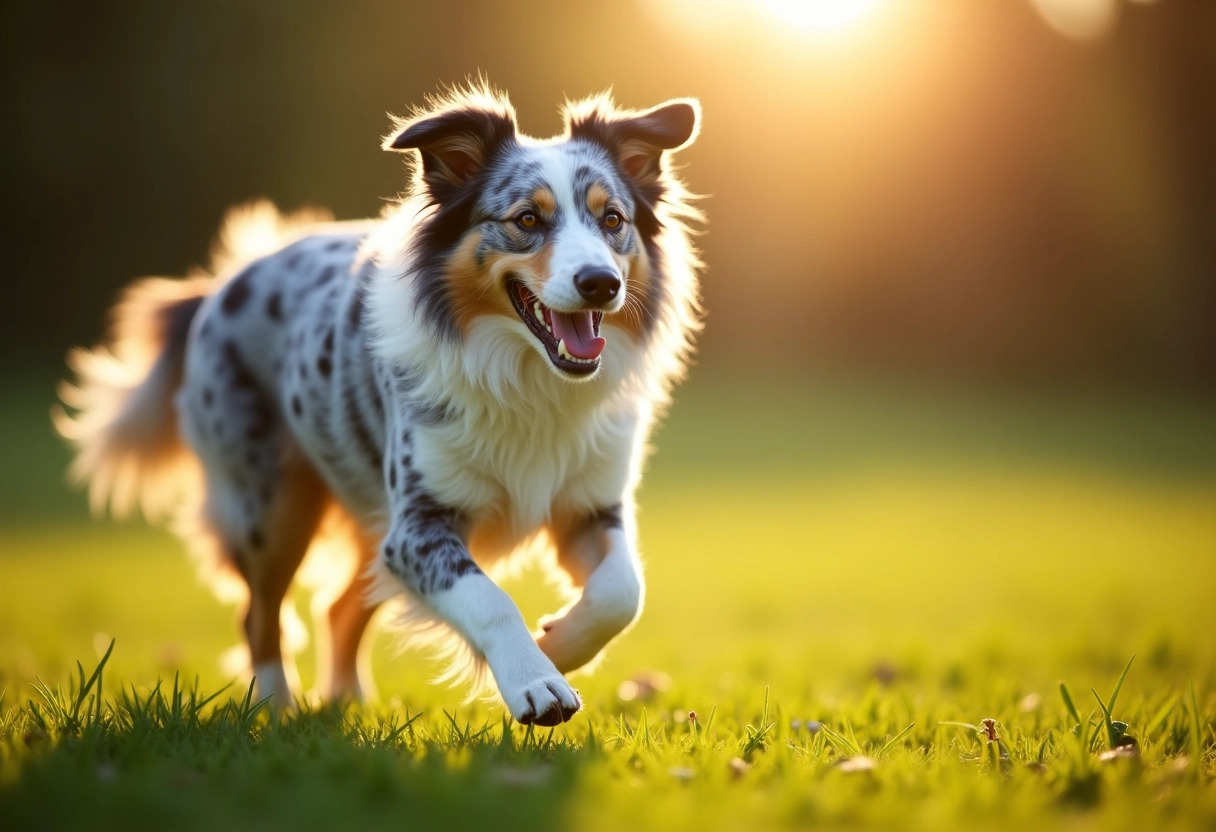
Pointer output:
x,y
546,702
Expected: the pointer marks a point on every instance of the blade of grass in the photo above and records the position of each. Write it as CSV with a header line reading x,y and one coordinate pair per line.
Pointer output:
x,y
1072,709
841,743
1196,737
889,744
1110,705
1110,729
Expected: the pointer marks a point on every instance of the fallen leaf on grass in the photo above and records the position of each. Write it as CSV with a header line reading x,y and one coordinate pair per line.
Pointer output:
x,y
856,764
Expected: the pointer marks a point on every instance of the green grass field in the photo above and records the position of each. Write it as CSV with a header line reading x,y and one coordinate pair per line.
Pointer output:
x,y
841,586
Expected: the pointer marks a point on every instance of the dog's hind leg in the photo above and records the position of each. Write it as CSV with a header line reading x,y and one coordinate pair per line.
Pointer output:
x,y
263,499
341,667
597,554
265,531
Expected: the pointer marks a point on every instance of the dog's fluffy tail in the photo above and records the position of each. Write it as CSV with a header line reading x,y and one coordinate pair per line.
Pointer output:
x,y
124,427
124,422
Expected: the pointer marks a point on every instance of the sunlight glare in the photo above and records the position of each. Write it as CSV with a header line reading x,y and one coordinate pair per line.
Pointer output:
x,y
1079,19
819,15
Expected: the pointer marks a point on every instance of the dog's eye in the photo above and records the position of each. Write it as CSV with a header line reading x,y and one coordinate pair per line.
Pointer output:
x,y
612,220
528,219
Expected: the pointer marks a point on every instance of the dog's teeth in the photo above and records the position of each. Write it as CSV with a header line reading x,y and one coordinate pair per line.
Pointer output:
x,y
540,316
565,353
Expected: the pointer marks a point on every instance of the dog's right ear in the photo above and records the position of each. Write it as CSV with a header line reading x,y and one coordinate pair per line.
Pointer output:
x,y
454,143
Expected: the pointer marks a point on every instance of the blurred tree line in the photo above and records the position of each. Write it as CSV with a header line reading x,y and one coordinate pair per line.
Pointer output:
x,y
954,189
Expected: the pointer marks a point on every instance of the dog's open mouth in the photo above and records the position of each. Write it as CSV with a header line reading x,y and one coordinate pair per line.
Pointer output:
x,y
572,339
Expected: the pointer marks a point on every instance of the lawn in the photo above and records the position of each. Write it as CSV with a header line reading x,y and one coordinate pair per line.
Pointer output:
x,y
842,585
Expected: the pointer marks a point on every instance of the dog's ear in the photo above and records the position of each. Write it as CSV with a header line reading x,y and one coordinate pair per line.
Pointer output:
x,y
637,139
455,143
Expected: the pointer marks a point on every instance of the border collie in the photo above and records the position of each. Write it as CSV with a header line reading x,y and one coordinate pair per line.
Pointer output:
x,y
473,375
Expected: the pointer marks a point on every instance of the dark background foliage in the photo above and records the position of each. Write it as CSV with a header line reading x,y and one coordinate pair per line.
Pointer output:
x,y
952,189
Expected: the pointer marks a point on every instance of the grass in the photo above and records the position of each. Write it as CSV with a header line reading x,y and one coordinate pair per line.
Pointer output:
x,y
863,608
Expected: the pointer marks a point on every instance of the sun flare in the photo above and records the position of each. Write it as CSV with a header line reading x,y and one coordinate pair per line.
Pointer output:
x,y
819,15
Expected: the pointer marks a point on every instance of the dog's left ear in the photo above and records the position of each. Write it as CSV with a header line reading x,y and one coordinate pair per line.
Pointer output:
x,y
638,139
454,144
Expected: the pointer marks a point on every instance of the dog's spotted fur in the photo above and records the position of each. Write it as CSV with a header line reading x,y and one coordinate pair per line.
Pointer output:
x,y
387,371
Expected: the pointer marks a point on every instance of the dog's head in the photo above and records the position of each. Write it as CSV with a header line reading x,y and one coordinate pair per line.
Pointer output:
x,y
558,236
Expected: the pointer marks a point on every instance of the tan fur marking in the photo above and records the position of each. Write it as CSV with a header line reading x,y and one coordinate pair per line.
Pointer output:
x,y
597,199
532,269
477,292
472,295
545,201
289,527
343,670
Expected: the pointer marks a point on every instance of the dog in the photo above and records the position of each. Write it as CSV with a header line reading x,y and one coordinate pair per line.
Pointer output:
x,y
472,375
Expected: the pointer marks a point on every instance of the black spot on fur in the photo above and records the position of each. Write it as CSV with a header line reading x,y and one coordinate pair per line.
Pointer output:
x,y
325,366
336,245
274,307
412,480
461,568
208,397
297,407
326,275
354,312
427,547
363,438
241,377
297,255
328,343
377,403
392,477
389,551
261,414
236,294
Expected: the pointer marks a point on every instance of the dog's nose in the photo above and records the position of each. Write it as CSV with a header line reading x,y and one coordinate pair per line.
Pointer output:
x,y
597,285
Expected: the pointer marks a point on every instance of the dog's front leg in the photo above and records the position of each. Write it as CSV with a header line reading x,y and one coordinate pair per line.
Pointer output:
x,y
426,551
598,554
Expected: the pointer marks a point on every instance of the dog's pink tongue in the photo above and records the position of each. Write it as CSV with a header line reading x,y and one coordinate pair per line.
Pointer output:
x,y
576,330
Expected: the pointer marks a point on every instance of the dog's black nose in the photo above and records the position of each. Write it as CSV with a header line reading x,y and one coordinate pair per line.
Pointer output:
x,y
597,285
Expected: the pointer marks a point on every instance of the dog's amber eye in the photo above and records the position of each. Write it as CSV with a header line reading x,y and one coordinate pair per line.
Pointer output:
x,y
612,220
528,219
